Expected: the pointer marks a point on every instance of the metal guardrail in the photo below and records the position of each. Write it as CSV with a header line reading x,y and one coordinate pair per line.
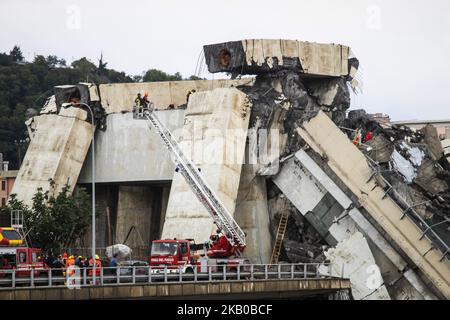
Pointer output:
x,y
80,277
410,213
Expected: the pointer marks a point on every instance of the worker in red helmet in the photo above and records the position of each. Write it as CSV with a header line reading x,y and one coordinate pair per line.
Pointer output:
x,y
146,101
98,266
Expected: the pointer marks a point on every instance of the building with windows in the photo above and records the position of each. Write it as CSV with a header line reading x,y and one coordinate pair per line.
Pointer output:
x,y
7,179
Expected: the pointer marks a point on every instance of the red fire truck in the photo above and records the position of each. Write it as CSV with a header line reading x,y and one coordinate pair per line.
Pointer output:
x,y
14,255
185,255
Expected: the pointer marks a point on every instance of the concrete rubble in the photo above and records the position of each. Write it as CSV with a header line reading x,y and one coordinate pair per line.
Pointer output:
x,y
364,204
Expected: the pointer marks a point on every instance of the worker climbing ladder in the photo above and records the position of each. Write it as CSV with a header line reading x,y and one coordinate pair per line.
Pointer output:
x,y
222,218
280,237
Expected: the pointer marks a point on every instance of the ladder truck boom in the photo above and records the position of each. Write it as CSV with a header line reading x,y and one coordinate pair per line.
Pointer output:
x,y
221,216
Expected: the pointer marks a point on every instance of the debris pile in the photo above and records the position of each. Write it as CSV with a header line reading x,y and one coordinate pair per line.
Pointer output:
x,y
290,91
412,161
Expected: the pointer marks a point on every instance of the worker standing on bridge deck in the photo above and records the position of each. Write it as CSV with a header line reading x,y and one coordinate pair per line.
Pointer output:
x,y
113,265
98,266
139,104
148,106
64,258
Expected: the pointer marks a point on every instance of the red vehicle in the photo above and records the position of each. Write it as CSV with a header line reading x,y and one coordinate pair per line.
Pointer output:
x,y
17,257
185,254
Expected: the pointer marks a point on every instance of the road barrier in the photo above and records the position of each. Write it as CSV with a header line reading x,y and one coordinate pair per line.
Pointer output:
x,y
74,277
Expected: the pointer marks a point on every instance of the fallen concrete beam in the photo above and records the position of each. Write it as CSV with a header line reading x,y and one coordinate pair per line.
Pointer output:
x,y
359,266
309,179
214,136
327,208
350,165
253,56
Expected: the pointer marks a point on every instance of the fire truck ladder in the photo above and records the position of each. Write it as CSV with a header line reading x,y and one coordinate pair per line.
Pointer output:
x,y
222,218
280,237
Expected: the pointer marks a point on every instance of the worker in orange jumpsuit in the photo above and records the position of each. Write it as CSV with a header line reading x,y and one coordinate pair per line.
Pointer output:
x,y
70,261
64,258
98,266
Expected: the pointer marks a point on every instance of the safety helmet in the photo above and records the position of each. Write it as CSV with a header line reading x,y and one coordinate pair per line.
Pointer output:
x,y
97,257
146,94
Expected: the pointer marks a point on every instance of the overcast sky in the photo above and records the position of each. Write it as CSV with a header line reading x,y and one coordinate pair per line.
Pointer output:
x,y
403,46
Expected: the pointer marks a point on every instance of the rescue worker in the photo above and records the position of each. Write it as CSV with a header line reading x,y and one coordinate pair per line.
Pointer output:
x,y
139,103
70,261
64,258
98,266
58,264
80,262
358,137
148,106
113,265
146,101
69,265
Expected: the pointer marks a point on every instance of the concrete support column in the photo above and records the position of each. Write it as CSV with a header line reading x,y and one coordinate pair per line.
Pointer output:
x,y
134,209
214,136
252,215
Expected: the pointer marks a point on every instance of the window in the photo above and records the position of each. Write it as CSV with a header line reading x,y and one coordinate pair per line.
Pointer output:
x,y
34,257
183,248
3,202
22,257
3,185
7,261
164,248
11,235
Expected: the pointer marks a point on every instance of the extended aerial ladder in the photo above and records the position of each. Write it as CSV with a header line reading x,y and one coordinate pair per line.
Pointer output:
x,y
222,218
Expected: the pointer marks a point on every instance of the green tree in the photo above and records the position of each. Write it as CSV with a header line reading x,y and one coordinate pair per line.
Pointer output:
x,y
16,54
195,78
54,61
101,64
155,75
5,59
85,67
40,60
57,221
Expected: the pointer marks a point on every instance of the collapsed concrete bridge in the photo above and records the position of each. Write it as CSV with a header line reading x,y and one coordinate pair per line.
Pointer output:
x,y
237,131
